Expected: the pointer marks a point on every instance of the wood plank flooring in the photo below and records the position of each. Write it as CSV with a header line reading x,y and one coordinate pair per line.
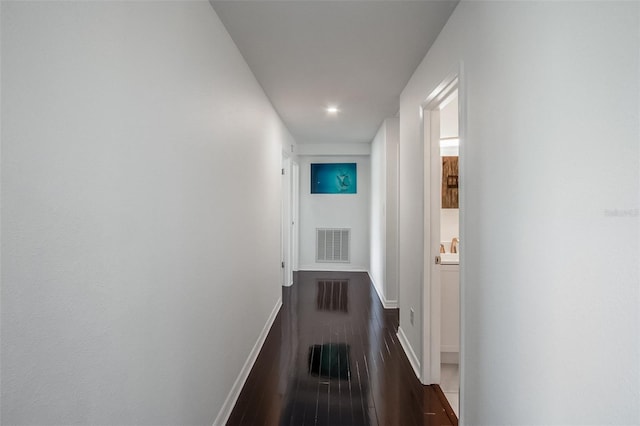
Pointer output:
x,y
332,358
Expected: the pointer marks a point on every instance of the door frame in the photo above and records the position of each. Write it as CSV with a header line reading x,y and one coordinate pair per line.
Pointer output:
x,y
289,227
285,221
431,291
295,211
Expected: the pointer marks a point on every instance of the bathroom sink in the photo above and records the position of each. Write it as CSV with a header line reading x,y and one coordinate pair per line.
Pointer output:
x,y
449,258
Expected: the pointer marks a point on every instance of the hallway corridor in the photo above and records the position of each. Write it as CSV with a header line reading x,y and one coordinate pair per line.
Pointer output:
x,y
333,358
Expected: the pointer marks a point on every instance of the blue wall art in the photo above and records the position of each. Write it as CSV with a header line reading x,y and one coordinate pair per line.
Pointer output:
x,y
334,178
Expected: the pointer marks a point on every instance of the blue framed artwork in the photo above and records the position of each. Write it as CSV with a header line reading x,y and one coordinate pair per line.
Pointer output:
x,y
334,178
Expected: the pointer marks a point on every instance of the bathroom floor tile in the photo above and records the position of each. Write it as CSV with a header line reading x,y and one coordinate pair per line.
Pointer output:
x,y
450,377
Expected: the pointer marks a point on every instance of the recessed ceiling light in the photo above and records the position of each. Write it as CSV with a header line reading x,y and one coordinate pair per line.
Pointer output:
x,y
332,109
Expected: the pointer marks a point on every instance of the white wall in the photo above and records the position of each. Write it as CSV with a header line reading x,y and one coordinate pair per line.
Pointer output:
x,y
392,152
449,226
449,117
551,334
333,149
335,211
140,212
378,225
384,215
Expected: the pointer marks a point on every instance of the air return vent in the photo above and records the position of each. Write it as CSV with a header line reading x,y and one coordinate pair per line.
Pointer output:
x,y
333,245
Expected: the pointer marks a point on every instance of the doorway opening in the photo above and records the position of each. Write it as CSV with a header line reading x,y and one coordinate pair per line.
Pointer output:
x,y
449,251
442,240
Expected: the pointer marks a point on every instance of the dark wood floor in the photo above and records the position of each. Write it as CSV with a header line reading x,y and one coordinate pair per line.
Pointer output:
x,y
333,358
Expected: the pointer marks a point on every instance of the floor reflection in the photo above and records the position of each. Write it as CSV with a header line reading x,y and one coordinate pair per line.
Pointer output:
x,y
333,295
329,360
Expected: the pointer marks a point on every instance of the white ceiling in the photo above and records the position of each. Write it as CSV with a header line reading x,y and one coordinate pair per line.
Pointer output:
x,y
357,55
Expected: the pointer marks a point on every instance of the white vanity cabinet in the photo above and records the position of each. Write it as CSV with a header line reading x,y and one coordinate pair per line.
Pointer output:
x,y
450,309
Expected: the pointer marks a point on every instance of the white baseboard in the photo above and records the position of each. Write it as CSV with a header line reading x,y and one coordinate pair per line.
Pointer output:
x,y
387,304
311,268
232,398
408,350
449,357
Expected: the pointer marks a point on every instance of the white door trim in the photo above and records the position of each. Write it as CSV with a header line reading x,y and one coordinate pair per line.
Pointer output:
x,y
430,133
285,222
295,211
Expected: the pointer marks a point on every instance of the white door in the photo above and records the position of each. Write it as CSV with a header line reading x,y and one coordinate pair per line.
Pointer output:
x,y
431,270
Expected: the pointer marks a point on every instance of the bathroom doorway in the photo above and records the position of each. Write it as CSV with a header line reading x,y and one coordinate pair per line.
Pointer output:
x,y
442,205
449,251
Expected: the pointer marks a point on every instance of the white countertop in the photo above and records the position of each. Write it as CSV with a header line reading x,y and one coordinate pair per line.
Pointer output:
x,y
449,258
